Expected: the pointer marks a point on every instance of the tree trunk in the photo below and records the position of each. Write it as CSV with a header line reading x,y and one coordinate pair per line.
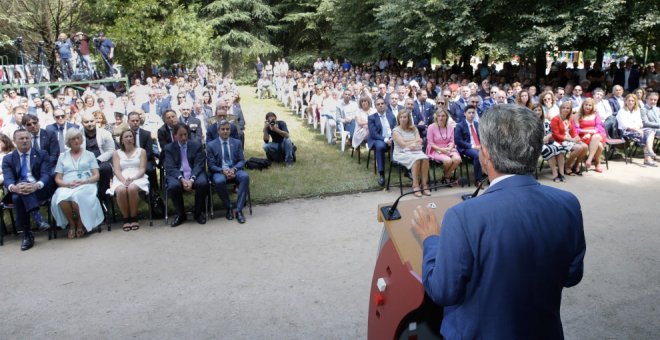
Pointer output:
x,y
541,64
226,63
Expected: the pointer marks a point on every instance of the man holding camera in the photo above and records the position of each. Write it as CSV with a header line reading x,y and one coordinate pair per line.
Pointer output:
x,y
281,146
107,49
64,54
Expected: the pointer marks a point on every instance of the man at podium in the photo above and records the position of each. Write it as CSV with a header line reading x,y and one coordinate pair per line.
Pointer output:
x,y
499,261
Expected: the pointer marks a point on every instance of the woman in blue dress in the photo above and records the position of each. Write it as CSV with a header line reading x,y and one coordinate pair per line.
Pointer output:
x,y
74,202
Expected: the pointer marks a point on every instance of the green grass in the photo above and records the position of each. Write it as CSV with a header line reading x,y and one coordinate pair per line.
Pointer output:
x,y
320,169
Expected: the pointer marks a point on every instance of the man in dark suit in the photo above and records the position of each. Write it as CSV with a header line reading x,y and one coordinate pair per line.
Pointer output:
x,y
497,267
60,127
380,136
628,77
184,172
393,108
466,138
194,124
42,140
166,132
151,106
226,162
27,178
423,112
212,130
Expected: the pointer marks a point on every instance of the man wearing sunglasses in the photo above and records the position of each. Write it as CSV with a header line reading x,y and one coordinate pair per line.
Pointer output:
x,y
42,140
60,127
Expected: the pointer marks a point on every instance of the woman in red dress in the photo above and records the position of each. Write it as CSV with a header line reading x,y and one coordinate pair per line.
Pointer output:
x,y
591,131
563,132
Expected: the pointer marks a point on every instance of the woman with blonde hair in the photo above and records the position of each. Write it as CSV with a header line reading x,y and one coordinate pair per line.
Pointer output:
x,y
408,151
591,131
629,119
440,145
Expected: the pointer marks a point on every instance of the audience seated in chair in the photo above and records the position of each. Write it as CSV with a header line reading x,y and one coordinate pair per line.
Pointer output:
x,y
563,132
380,136
129,165
592,132
100,143
27,177
408,151
76,174
466,137
440,145
631,125
184,170
226,162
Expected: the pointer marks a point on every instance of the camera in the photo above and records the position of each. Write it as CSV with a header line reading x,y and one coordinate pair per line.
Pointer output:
x,y
18,41
41,44
272,123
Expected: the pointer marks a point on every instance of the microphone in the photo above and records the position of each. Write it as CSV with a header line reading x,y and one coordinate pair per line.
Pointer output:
x,y
474,194
390,213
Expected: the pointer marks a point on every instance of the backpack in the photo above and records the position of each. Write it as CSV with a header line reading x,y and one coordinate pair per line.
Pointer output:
x,y
255,163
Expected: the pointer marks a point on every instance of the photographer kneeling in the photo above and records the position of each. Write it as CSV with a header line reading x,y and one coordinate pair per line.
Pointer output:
x,y
281,146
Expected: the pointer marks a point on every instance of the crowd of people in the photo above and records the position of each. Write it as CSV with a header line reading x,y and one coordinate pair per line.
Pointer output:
x,y
579,108
73,145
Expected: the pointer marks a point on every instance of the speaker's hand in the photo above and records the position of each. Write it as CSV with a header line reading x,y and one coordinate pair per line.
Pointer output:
x,y
424,223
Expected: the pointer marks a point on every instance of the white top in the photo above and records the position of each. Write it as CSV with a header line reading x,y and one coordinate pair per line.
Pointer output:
x,y
629,120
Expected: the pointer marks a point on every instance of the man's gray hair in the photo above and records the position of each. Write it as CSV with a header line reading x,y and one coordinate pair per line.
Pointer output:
x,y
513,135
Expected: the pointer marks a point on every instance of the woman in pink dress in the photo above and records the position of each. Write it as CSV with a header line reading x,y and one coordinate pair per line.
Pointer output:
x,y
440,145
591,131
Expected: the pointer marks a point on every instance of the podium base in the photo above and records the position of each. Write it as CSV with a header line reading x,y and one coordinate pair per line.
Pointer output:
x,y
389,217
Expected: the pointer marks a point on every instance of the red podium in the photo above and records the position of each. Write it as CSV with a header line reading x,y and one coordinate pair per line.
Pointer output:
x,y
398,307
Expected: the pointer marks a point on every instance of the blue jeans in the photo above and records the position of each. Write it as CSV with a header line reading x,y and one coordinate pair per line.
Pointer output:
x,y
278,152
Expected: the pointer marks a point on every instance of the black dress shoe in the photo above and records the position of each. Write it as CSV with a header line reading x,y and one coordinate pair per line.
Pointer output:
x,y
28,241
178,221
229,214
201,219
240,217
381,180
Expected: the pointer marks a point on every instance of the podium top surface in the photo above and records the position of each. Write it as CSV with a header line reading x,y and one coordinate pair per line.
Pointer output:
x,y
400,231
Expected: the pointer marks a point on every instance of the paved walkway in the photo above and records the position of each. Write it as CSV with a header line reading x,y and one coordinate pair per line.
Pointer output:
x,y
301,269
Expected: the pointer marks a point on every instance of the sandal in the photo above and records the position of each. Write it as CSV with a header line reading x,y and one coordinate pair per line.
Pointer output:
x,y
598,169
556,179
417,193
71,233
426,192
80,232
135,226
577,169
126,227
569,172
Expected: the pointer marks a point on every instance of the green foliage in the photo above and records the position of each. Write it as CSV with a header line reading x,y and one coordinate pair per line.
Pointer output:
x,y
156,31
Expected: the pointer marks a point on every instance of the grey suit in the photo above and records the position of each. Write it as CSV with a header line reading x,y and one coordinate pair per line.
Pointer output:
x,y
651,118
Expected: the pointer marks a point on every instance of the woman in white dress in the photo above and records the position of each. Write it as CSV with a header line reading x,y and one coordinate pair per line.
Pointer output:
x,y
129,165
74,202
408,151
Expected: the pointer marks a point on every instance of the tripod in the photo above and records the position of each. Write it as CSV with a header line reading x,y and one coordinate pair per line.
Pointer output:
x,y
83,69
40,60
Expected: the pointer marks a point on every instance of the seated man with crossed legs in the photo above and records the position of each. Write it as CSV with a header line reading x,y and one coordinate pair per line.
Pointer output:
x,y
226,162
466,138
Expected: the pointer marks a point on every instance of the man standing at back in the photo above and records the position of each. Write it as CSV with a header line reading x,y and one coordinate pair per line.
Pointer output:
x,y
497,269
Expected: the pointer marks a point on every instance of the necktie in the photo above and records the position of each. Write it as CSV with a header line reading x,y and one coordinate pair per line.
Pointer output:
x,y
24,167
225,155
60,137
35,142
137,138
185,166
474,135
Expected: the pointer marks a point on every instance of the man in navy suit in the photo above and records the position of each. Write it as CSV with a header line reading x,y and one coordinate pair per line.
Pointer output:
x,y
27,178
380,136
422,113
151,106
212,130
393,108
194,124
226,162
616,101
60,127
184,168
42,140
466,137
496,267
628,77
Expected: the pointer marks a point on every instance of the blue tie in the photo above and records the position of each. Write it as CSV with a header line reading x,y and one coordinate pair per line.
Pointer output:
x,y
24,167
225,153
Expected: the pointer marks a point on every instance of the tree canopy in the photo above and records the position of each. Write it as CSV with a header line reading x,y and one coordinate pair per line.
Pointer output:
x,y
232,33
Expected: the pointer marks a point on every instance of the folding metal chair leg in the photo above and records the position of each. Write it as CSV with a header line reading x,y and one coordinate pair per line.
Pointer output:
x,y
400,179
249,199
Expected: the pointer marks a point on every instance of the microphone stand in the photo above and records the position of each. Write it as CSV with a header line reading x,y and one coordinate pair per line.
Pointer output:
x,y
390,213
474,194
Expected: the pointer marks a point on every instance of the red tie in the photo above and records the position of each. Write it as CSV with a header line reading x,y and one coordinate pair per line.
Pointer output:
x,y
474,135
